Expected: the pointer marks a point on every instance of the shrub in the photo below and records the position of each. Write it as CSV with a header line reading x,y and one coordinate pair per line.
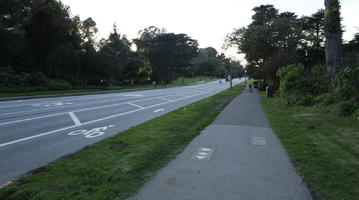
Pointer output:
x,y
347,84
319,80
58,85
294,86
356,115
36,79
325,99
347,108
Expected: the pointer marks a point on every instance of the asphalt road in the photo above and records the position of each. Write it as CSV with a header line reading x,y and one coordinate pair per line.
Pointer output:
x,y
38,131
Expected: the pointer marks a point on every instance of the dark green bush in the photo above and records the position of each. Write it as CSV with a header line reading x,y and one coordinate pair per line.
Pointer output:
x,y
356,115
295,86
58,85
347,84
325,99
36,79
346,108
319,80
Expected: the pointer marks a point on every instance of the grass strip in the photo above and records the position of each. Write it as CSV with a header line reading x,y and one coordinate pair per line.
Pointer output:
x,y
117,167
323,148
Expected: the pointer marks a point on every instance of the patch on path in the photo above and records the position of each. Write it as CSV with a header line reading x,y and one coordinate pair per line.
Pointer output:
x,y
258,141
203,154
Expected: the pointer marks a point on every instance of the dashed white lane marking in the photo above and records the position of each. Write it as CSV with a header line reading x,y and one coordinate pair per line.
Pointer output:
x,y
75,119
93,121
47,108
132,104
165,99
159,110
132,95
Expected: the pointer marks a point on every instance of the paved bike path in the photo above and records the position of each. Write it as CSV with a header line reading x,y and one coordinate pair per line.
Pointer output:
x,y
237,157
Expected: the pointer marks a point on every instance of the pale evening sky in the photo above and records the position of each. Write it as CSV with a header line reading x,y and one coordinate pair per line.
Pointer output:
x,y
207,21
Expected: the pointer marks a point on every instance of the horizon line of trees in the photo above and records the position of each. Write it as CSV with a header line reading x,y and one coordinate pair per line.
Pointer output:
x,y
41,43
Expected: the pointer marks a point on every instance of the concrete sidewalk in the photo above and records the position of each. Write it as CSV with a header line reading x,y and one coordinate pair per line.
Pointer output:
x,y
237,157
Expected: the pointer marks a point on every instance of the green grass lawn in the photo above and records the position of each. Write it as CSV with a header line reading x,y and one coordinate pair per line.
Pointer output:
x,y
117,167
177,82
323,147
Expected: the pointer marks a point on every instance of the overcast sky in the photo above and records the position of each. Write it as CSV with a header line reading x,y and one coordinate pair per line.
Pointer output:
x,y
207,21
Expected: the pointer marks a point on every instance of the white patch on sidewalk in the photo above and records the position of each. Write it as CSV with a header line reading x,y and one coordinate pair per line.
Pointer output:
x,y
203,154
258,141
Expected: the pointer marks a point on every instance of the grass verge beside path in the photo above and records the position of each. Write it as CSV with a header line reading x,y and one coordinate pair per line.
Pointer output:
x,y
323,148
117,167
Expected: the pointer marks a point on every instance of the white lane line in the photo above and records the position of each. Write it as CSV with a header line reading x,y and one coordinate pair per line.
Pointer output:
x,y
48,108
57,114
165,99
159,110
74,118
93,121
132,104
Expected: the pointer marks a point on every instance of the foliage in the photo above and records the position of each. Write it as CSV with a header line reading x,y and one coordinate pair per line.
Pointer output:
x,y
270,35
299,87
347,84
58,85
294,86
169,54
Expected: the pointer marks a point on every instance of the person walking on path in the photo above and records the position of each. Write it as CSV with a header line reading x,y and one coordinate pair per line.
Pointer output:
x,y
154,84
250,87
238,156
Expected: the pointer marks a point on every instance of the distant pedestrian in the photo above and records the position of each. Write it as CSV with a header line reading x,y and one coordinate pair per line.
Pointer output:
x,y
162,83
165,83
154,84
220,81
250,87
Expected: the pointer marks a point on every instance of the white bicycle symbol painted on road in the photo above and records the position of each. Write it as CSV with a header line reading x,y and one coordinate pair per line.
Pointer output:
x,y
95,132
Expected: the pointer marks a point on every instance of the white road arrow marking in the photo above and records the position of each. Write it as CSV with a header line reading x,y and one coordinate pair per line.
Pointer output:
x,y
159,110
203,153
201,157
205,149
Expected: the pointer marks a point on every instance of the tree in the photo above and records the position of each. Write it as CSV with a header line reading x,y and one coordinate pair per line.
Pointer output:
x,y
207,63
169,54
313,51
54,39
115,53
333,35
269,35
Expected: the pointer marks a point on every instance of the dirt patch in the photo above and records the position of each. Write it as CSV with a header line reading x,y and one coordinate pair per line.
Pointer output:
x,y
38,170
305,115
118,145
222,101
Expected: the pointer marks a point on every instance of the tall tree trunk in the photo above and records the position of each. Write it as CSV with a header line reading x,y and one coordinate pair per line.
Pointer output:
x,y
333,35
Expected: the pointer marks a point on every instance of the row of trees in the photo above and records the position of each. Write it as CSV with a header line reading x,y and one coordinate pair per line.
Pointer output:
x,y
304,58
40,39
273,40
